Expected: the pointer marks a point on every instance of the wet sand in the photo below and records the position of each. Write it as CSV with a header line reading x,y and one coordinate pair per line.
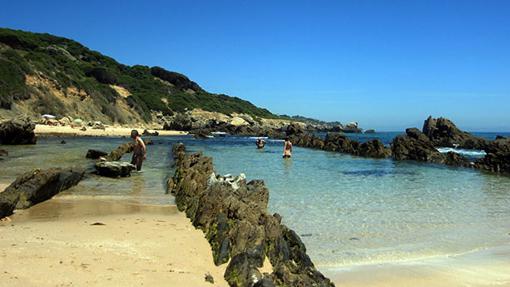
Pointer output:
x,y
108,131
489,267
87,242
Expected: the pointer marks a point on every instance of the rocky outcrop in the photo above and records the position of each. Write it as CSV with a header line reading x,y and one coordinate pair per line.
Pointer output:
x,y
36,186
341,143
179,122
114,168
233,215
17,131
444,133
95,154
415,146
497,158
117,153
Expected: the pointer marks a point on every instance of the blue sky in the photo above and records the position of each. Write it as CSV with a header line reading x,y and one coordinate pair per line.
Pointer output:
x,y
386,64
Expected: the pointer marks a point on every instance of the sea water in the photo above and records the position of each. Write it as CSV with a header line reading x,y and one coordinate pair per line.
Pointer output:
x,y
348,210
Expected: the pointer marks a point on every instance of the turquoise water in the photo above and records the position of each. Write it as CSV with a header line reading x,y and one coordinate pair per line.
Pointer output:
x,y
348,210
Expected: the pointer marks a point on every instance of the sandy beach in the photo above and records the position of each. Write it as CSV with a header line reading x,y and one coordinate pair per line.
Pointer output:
x,y
86,242
108,131
484,268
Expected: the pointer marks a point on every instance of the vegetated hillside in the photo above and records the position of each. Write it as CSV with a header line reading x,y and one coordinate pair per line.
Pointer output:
x,y
42,73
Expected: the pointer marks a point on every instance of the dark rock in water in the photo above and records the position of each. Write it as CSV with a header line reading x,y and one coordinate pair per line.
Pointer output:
x,y
352,128
17,131
444,133
148,133
63,142
114,168
373,148
370,131
201,134
3,152
497,158
340,143
415,146
36,186
117,153
180,122
455,159
498,137
95,154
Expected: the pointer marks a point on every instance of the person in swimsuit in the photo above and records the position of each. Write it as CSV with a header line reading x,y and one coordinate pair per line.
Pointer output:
x,y
287,148
139,151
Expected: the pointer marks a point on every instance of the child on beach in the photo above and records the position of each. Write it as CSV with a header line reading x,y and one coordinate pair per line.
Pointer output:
x,y
139,151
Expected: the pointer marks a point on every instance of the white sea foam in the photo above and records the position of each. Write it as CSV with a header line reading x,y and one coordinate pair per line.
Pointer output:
x,y
466,152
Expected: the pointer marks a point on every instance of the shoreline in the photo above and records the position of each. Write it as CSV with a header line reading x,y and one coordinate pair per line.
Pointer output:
x,y
45,130
487,267
104,243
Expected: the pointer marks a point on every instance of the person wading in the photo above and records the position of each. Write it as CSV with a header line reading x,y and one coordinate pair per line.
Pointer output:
x,y
139,151
287,148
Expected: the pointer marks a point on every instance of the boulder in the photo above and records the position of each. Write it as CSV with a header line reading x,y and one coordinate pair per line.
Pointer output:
x,y
444,133
36,186
241,273
370,131
114,168
17,131
373,148
352,128
95,154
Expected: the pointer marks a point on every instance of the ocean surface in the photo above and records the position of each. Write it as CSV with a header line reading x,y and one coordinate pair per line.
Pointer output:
x,y
348,210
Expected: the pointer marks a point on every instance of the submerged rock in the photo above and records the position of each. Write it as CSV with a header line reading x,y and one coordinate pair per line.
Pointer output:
x,y
114,168
37,186
95,154
17,131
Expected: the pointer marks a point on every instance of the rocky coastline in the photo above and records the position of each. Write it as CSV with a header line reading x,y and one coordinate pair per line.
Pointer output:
x,y
233,215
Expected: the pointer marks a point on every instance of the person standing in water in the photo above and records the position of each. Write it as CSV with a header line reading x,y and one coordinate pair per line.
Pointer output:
x,y
287,148
260,143
139,151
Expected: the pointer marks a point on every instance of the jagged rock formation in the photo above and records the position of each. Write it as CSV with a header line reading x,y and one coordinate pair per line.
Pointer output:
x,y
497,158
337,142
17,131
37,186
233,215
444,133
417,146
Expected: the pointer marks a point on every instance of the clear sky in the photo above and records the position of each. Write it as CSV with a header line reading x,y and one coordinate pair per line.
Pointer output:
x,y
386,64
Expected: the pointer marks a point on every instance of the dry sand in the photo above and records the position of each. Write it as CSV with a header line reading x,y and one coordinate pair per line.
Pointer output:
x,y
108,131
56,243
